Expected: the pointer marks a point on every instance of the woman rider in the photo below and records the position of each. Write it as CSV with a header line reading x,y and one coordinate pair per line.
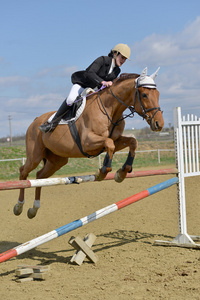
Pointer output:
x,y
101,72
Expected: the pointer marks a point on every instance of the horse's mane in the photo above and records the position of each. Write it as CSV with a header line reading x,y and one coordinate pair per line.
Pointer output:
x,y
119,79
125,76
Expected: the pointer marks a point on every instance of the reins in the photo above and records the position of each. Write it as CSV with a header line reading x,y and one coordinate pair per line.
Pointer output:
x,y
131,108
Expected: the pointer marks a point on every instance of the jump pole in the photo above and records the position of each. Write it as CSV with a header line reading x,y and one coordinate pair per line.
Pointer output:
x,y
18,184
81,222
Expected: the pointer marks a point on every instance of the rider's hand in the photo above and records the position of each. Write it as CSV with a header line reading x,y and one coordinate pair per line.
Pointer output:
x,y
106,83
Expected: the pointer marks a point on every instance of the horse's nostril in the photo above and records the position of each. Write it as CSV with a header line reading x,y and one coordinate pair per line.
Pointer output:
x,y
157,124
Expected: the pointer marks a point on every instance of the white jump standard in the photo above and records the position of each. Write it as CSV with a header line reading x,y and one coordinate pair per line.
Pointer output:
x,y
187,141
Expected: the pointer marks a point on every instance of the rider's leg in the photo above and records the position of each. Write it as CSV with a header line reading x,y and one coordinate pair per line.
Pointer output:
x,y
76,90
50,126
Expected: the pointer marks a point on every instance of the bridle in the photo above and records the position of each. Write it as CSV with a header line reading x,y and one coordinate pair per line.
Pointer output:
x,y
145,111
144,114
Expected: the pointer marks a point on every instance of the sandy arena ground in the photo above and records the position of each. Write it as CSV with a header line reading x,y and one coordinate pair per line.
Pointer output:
x,y
129,265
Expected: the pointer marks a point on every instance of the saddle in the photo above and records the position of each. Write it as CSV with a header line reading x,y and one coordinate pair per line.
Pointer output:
x,y
76,109
71,113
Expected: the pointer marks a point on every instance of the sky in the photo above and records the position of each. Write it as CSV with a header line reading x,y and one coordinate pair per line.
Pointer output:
x,y
42,42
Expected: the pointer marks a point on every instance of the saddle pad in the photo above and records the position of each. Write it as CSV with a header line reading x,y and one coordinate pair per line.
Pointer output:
x,y
78,114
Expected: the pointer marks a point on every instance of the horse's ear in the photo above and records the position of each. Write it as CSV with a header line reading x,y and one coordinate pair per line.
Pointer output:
x,y
144,73
153,76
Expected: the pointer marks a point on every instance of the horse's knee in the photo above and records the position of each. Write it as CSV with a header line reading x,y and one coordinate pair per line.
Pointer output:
x,y
133,144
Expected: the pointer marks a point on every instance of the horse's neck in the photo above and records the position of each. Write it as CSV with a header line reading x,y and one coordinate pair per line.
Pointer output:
x,y
125,92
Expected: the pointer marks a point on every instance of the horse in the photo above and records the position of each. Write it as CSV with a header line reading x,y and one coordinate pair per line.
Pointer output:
x,y
100,129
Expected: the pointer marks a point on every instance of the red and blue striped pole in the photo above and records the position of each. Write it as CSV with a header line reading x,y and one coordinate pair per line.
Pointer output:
x,y
81,222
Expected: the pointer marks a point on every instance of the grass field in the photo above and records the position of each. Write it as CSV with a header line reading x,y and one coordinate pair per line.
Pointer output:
x,y
10,170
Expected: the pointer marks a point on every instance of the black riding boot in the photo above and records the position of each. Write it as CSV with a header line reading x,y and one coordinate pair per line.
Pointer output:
x,y
48,127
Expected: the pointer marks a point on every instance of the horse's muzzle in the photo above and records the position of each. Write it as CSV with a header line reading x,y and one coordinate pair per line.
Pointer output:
x,y
157,125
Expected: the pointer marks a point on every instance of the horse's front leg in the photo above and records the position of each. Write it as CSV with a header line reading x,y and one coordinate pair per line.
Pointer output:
x,y
120,144
106,168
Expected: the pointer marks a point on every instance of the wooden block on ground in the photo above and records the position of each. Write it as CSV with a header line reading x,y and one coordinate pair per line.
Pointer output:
x,y
23,272
36,269
29,273
33,276
83,248
39,276
24,279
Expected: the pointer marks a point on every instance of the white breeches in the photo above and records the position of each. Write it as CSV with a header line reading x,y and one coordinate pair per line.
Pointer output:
x,y
75,91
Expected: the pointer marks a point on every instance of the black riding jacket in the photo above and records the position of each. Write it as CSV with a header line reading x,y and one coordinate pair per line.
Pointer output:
x,y
96,73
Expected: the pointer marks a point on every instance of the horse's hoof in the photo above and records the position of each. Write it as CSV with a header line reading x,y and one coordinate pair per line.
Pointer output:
x,y
18,209
118,178
102,173
31,213
99,176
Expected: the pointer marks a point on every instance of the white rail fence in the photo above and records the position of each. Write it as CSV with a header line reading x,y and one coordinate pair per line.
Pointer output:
x,y
23,159
101,156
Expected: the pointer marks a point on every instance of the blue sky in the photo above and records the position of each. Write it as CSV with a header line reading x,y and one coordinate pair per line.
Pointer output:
x,y
42,42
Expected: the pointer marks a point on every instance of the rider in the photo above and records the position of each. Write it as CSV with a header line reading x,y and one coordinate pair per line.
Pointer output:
x,y
100,73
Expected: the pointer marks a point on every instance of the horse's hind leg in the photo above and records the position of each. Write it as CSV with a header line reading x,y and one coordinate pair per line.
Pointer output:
x,y
52,164
24,171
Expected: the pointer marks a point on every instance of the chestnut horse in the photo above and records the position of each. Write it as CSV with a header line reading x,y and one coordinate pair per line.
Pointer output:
x,y
100,129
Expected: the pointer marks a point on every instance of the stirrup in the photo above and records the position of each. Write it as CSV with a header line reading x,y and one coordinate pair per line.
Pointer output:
x,y
47,127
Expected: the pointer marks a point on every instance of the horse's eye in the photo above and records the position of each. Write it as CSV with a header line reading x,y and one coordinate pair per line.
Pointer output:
x,y
144,95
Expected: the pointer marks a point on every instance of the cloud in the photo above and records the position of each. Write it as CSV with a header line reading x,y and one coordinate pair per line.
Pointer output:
x,y
170,50
190,37
57,71
11,81
155,50
36,104
178,56
24,110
